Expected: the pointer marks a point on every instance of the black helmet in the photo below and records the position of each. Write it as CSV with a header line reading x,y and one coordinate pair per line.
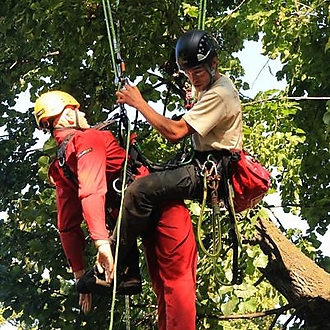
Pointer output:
x,y
194,48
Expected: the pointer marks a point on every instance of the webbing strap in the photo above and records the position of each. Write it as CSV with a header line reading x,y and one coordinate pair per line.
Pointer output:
x,y
234,233
61,157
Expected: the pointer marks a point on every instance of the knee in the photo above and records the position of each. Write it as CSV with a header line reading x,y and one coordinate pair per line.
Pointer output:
x,y
143,185
133,192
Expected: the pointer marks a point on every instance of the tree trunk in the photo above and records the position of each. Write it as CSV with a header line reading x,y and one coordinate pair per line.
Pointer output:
x,y
296,276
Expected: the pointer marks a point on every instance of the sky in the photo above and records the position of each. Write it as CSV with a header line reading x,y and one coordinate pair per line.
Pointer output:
x,y
259,70
260,74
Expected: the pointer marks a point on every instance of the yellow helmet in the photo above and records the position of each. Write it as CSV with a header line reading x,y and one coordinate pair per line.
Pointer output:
x,y
51,104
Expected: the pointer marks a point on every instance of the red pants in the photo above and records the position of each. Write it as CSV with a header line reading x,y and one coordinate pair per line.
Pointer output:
x,y
171,255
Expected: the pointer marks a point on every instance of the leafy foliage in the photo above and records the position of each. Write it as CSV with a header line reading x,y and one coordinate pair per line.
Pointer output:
x,y
56,44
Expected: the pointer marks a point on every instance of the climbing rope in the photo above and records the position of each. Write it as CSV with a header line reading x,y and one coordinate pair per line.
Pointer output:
x,y
202,14
118,225
118,66
211,180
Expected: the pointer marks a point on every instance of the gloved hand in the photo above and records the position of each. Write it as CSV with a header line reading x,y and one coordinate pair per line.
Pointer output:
x,y
94,282
85,299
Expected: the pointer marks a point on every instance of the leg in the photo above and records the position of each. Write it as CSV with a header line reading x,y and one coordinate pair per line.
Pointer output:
x,y
172,260
144,196
142,200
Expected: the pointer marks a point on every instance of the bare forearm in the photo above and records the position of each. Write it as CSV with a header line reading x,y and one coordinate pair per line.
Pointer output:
x,y
168,128
172,130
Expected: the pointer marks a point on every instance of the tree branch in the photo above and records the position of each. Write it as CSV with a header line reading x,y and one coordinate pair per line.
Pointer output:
x,y
277,311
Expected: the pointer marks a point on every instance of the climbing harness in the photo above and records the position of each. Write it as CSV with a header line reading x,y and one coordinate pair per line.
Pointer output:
x,y
60,154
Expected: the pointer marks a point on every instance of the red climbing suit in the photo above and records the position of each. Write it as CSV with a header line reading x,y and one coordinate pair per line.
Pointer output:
x,y
96,158
172,259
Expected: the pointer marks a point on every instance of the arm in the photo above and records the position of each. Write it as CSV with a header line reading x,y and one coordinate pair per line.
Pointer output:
x,y
172,130
69,218
91,173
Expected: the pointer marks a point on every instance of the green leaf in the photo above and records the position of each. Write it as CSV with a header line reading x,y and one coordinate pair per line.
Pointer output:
x,y
326,118
230,306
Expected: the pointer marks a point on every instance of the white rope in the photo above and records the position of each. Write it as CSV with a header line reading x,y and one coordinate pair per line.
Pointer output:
x,y
280,98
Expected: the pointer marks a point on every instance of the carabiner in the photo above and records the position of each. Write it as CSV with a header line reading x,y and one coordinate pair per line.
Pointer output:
x,y
209,167
114,186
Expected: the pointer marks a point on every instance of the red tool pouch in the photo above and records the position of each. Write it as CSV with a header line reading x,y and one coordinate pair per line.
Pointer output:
x,y
250,180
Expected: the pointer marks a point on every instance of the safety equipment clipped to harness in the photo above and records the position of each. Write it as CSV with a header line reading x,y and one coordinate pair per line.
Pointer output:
x,y
250,180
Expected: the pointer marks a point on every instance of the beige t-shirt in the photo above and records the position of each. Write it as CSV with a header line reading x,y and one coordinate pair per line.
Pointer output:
x,y
217,117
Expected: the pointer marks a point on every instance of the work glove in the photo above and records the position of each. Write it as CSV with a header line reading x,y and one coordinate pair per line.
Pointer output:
x,y
93,281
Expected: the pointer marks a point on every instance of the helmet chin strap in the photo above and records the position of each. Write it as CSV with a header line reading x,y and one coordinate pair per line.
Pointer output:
x,y
212,73
76,126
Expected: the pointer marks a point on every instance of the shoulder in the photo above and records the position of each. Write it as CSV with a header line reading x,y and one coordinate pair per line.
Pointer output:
x,y
223,85
95,139
225,90
89,136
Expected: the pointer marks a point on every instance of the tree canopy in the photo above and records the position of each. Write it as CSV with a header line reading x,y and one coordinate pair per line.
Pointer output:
x,y
57,44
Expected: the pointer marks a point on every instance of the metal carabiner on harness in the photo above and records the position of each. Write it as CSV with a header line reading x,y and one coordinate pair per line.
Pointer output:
x,y
61,161
115,188
209,167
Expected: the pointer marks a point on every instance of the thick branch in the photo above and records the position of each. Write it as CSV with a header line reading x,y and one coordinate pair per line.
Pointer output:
x,y
296,276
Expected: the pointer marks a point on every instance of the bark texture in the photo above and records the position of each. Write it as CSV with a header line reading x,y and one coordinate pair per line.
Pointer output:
x,y
296,276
